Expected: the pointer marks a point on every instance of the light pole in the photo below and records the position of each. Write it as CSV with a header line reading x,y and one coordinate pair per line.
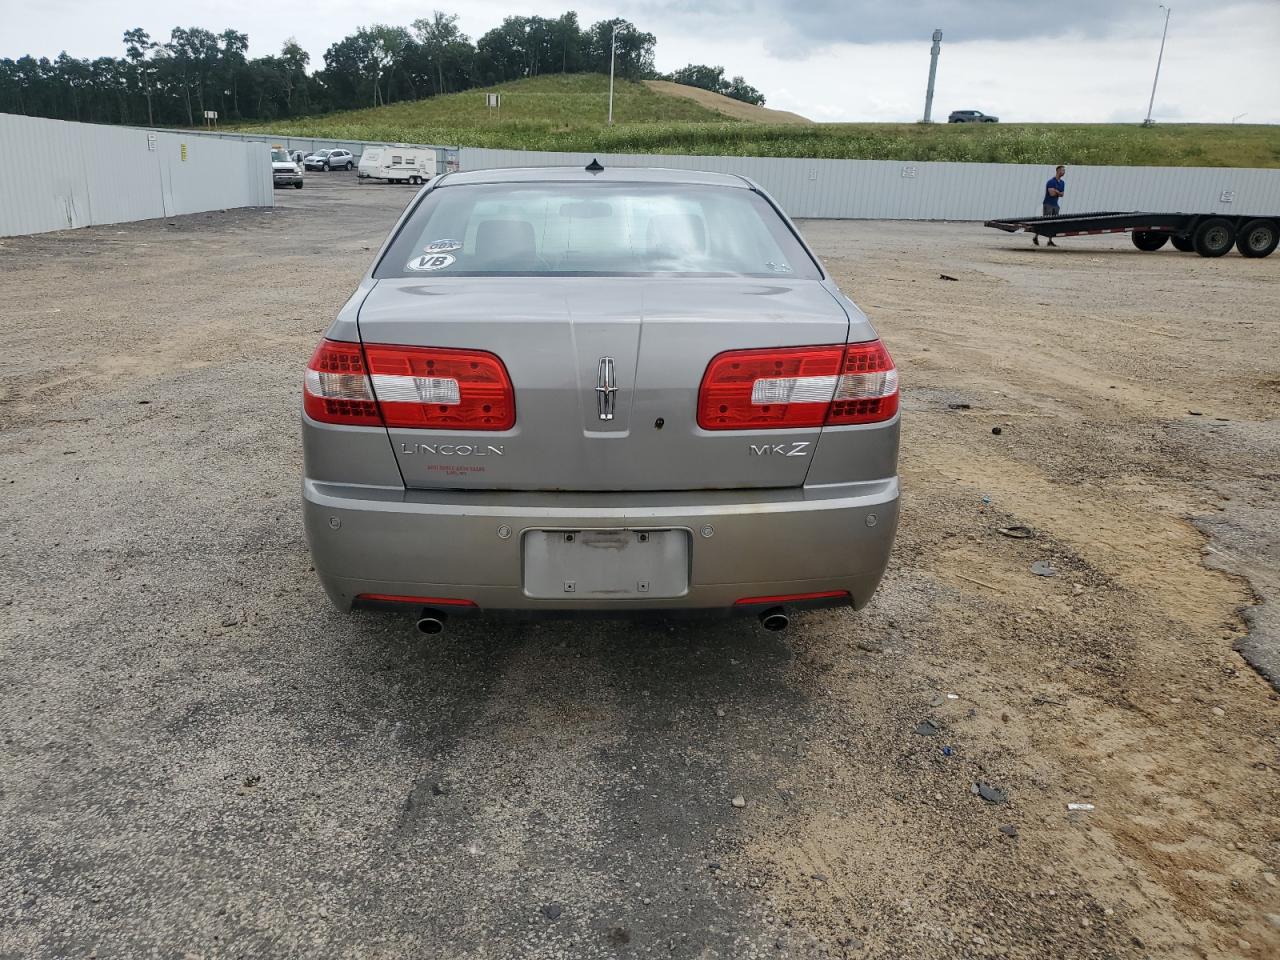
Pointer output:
x,y
613,52
1167,10
933,72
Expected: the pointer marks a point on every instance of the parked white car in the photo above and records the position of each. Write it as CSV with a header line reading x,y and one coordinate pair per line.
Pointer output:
x,y
398,164
330,160
284,172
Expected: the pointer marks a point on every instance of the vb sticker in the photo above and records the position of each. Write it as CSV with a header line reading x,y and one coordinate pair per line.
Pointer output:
x,y
431,261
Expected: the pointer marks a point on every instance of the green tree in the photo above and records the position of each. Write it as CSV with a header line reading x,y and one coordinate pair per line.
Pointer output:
x,y
501,53
387,46
231,63
447,52
634,58
293,65
193,56
138,47
712,78
347,70
739,89
196,69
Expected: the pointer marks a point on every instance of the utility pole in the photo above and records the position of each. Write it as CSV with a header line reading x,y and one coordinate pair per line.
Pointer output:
x,y
933,72
613,52
1167,10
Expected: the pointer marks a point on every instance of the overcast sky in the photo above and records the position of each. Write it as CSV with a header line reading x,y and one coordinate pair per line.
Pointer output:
x,y
1074,60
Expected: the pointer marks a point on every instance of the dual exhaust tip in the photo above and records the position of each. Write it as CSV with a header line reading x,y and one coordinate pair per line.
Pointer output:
x,y
431,622
775,619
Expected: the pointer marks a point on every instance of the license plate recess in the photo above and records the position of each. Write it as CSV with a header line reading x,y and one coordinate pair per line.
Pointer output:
x,y
606,564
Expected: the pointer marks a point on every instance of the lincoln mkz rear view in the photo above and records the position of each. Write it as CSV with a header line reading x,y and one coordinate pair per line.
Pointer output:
x,y
564,390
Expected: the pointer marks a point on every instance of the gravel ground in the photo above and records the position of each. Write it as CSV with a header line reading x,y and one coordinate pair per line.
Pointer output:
x,y
201,759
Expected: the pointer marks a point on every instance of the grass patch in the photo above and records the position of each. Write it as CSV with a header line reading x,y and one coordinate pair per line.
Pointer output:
x,y
568,112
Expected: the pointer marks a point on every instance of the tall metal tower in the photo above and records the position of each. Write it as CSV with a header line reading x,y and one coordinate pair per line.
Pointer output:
x,y
933,72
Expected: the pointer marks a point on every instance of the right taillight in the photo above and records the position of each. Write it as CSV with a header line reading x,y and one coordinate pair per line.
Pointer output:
x,y
787,387
428,388
867,391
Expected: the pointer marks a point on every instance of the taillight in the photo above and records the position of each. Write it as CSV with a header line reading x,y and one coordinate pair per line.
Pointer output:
x,y
336,388
439,389
431,388
798,387
867,391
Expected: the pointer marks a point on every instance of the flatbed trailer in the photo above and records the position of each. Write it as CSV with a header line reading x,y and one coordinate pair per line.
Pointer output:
x,y
1208,234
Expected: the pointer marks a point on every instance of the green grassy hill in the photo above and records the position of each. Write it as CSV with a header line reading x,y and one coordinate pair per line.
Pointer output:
x,y
568,112
536,114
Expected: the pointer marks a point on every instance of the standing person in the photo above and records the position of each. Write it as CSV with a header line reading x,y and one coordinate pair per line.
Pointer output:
x,y
1053,190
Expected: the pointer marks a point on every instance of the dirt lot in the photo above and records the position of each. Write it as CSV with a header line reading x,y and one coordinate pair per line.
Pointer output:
x,y
201,759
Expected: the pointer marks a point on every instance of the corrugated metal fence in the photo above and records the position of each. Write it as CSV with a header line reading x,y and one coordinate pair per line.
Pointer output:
x,y
312,144
59,175
893,190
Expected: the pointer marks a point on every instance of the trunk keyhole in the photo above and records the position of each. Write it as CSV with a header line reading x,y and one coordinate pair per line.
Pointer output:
x,y
657,424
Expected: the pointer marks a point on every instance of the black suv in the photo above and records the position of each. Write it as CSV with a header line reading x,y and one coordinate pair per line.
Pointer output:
x,y
971,116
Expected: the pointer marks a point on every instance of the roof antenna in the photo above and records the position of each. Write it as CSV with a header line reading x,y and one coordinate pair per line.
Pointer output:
x,y
594,166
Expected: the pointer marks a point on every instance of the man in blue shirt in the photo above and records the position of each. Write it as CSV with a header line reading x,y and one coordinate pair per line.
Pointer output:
x,y
1054,189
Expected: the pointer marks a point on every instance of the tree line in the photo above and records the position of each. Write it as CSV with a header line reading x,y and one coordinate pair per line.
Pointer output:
x,y
173,83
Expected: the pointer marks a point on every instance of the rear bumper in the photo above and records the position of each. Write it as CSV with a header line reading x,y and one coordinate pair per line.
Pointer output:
x,y
743,543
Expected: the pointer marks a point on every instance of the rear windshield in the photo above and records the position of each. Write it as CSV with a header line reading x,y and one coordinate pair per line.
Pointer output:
x,y
595,229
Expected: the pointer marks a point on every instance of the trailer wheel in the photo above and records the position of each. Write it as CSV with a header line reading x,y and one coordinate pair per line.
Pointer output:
x,y
1149,240
1214,237
1258,238
1182,243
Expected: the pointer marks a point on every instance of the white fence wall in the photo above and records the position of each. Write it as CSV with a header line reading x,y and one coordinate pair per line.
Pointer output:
x,y
893,190
59,175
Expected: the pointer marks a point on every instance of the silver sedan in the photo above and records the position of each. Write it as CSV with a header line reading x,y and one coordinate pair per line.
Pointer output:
x,y
564,390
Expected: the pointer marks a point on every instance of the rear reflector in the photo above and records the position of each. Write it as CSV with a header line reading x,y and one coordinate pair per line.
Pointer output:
x,y
798,387
417,387
417,601
792,597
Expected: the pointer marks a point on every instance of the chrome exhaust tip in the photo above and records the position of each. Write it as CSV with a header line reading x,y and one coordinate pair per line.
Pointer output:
x,y
775,618
430,622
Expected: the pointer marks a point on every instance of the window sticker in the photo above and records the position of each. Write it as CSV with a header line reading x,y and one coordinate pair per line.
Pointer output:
x,y
431,261
778,267
442,246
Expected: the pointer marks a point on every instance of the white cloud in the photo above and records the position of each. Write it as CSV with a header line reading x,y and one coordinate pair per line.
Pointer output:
x,y
1068,79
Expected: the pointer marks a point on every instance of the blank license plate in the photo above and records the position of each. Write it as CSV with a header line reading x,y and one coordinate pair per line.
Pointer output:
x,y
606,564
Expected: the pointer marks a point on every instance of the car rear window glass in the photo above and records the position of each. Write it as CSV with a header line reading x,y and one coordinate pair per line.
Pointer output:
x,y
595,229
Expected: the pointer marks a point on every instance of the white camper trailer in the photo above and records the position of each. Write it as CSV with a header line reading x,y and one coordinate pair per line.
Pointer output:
x,y
403,164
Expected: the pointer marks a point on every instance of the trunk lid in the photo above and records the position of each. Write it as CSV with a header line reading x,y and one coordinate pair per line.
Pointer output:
x,y
554,334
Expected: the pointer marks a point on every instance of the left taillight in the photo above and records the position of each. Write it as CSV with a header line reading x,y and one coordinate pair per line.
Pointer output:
x,y
783,387
426,388
336,388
